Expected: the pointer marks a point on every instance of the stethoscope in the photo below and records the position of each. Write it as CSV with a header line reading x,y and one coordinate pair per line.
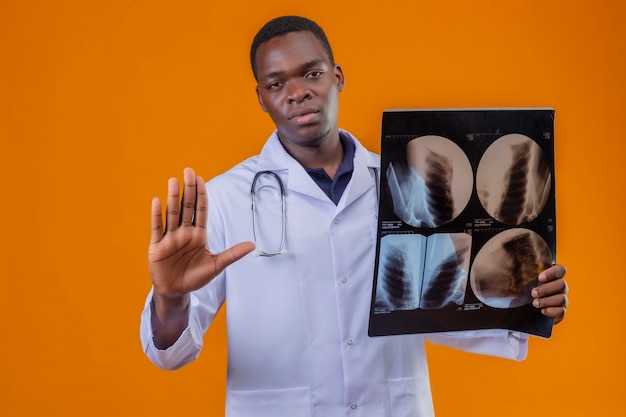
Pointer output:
x,y
281,247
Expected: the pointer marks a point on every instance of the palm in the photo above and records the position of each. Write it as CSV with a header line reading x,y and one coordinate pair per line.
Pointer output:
x,y
179,263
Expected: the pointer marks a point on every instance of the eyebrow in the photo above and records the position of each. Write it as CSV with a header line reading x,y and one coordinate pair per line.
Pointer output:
x,y
303,67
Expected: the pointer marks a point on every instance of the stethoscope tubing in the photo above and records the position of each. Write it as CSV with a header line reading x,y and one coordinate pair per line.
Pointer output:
x,y
281,248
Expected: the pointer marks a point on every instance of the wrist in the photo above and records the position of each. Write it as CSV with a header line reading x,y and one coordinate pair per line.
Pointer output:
x,y
169,319
168,308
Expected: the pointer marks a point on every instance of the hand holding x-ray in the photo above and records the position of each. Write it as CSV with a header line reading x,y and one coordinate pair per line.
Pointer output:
x,y
551,295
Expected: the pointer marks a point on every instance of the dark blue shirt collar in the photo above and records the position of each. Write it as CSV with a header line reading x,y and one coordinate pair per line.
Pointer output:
x,y
334,188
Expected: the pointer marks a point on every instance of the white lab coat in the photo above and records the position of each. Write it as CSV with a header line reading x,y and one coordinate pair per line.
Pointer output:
x,y
297,322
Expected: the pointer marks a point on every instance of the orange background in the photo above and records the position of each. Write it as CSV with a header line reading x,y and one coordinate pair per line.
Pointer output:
x,y
102,101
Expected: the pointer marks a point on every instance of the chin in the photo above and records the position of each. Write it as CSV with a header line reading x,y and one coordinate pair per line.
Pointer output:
x,y
308,136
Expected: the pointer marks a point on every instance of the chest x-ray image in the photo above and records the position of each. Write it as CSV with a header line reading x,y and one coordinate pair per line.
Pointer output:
x,y
415,271
433,185
467,220
513,179
399,269
506,268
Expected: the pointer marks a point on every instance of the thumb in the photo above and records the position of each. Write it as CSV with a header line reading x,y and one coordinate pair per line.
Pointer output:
x,y
233,254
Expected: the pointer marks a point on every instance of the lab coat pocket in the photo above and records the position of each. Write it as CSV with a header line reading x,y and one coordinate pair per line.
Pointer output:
x,y
410,397
292,402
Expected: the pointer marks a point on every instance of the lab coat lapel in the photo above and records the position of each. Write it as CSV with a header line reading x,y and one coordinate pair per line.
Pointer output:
x,y
301,182
273,156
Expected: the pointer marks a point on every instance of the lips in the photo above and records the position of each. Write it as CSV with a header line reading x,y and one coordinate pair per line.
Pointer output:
x,y
299,113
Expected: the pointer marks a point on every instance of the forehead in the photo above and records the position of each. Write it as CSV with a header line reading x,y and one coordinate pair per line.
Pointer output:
x,y
291,50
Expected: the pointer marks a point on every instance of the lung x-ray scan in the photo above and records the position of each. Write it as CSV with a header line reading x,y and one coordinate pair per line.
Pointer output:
x,y
466,220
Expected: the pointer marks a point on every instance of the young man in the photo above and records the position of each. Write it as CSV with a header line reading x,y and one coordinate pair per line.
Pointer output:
x,y
297,320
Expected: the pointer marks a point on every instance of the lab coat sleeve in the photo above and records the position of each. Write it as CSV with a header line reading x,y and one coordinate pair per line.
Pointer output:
x,y
492,342
203,307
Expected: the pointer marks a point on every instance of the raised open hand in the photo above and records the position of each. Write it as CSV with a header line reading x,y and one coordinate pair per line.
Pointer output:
x,y
179,259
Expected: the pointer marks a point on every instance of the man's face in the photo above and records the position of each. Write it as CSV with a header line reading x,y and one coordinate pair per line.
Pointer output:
x,y
299,88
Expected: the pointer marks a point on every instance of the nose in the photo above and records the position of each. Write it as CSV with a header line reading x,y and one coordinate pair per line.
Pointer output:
x,y
298,91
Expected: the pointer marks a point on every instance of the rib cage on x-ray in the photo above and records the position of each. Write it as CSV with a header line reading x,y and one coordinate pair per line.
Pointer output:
x,y
513,180
440,291
445,271
398,272
512,203
405,284
432,185
506,268
422,202
438,188
526,264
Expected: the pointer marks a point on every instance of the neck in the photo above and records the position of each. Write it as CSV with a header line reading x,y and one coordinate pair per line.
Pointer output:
x,y
327,154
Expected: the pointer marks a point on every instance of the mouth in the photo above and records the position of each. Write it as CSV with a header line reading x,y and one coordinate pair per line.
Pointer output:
x,y
302,113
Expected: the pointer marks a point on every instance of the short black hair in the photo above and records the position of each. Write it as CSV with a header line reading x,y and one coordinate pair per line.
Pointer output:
x,y
283,25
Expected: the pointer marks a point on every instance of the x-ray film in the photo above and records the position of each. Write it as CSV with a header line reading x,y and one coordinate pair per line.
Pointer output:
x,y
466,220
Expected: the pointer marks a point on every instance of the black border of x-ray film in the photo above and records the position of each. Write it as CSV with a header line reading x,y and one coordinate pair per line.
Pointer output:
x,y
473,130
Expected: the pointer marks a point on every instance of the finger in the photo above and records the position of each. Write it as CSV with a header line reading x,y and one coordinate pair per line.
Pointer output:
x,y
172,215
553,273
188,203
156,221
223,259
558,313
202,204
550,288
557,300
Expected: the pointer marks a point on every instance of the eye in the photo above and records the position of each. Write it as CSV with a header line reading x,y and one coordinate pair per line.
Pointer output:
x,y
274,85
314,74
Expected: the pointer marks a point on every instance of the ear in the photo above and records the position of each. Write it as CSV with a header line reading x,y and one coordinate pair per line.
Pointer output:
x,y
258,96
341,81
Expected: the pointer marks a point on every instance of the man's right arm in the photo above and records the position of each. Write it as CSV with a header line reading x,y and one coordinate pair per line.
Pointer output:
x,y
179,260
